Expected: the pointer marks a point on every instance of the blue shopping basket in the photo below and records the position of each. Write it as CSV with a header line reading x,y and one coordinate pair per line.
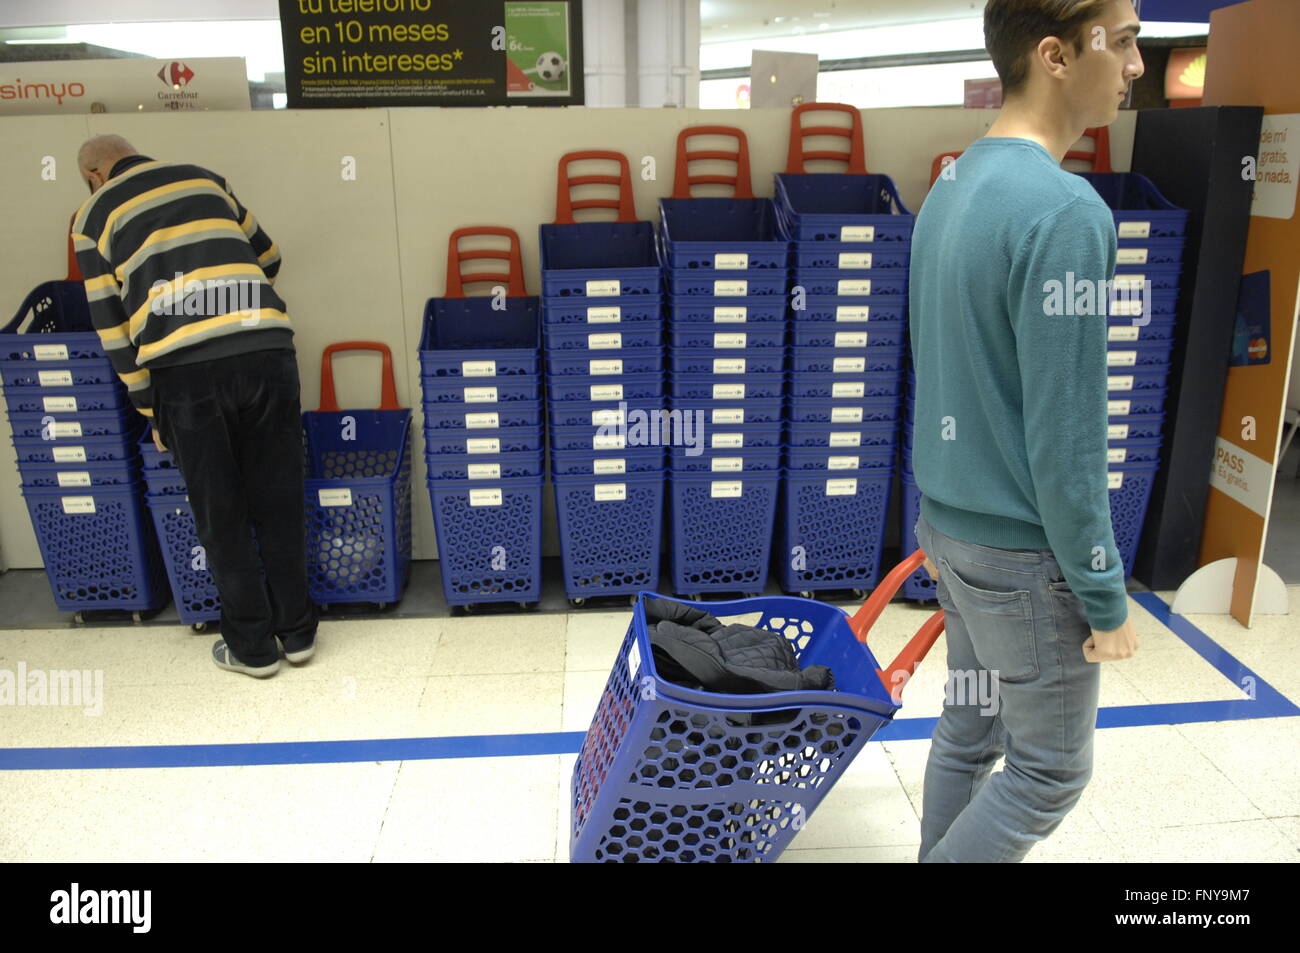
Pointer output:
x,y
671,774
358,492
193,588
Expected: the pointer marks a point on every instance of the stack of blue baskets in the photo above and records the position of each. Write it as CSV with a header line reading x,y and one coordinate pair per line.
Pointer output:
x,y
602,317
481,379
727,272
76,437
852,243
193,588
1151,232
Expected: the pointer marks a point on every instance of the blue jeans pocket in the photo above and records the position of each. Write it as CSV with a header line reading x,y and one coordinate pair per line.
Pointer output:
x,y
1000,621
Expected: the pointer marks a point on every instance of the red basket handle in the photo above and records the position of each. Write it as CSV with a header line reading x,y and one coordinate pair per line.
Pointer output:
x,y
920,644
856,156
1100,155
456,279
565,206
74,270
740,182
328,402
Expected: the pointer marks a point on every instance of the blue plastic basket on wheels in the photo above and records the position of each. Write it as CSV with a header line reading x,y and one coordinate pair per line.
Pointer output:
x,y
671,774
358,492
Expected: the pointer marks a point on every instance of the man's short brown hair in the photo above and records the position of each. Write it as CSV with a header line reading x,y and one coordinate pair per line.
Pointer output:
x,y
1013,28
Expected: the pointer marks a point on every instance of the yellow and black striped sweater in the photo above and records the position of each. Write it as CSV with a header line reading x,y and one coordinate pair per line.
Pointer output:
x,y
176,271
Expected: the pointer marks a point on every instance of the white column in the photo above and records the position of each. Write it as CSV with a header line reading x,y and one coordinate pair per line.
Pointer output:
x,y
668,52
603,45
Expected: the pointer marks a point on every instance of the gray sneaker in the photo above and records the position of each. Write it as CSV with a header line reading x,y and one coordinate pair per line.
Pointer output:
x,y
298,656
224,658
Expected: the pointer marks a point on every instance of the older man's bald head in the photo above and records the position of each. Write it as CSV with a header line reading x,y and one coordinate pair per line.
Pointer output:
x,y
97,155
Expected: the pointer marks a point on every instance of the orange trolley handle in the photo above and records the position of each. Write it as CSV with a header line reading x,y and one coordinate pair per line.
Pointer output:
x,y
328,402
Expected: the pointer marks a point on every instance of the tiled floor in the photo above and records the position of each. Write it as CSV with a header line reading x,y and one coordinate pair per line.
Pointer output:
x,y
1193,791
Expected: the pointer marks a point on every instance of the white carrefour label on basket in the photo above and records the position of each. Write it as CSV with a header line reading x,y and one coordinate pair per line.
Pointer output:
x,y
726,489
1125,306
633,659
603,492
727,464
729,261
1114,480
488,421
74,478
729,340
849,365
1119,382
602,342
848,487
478,368
846,415
1117,432
54,378
484,471
1131,256
1127,332
1118,408
857,233
845,438
1134,229
606,391
1121,358
730,289
728,365
850,338
600,418
55,404
848,389
853,286
846,312
605,367
1129,281
730,315
69,454
71,428
483,445
728,391
480,395
1116,454
50,352
490,497
608,441
78,504
842,463
729,415
605,315
604,289
608,465
727,441
855,259
341,497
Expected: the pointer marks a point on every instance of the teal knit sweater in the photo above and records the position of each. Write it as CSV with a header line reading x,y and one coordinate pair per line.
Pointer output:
x,y
1010,435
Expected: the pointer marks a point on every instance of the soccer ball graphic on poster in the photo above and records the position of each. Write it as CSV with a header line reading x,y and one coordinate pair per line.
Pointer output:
x,y
550,67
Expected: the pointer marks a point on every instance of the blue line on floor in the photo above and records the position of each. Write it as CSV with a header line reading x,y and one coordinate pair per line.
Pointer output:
x,y
1258,700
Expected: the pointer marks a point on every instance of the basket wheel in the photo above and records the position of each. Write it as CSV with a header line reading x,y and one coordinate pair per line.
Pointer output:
x,y
860,593
578,602
528,606
805,594
631,600
467,609
79,618
136,617
198,628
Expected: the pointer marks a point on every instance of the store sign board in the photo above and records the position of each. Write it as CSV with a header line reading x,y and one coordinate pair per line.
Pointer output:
x,y
127,85
352,53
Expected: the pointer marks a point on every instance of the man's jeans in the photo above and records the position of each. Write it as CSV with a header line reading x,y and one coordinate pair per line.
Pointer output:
x,y
1009,612
235,429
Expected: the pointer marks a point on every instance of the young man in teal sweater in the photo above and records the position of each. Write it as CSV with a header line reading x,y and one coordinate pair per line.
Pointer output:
x,y
1009,444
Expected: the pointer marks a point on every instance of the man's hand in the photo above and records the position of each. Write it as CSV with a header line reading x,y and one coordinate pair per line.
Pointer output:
x,y
157,441
1113,645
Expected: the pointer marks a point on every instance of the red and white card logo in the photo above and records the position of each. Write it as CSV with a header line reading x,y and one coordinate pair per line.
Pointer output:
x,y
176,74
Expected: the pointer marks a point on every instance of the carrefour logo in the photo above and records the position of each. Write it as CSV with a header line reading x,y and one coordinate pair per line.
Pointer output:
x,y
176,74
